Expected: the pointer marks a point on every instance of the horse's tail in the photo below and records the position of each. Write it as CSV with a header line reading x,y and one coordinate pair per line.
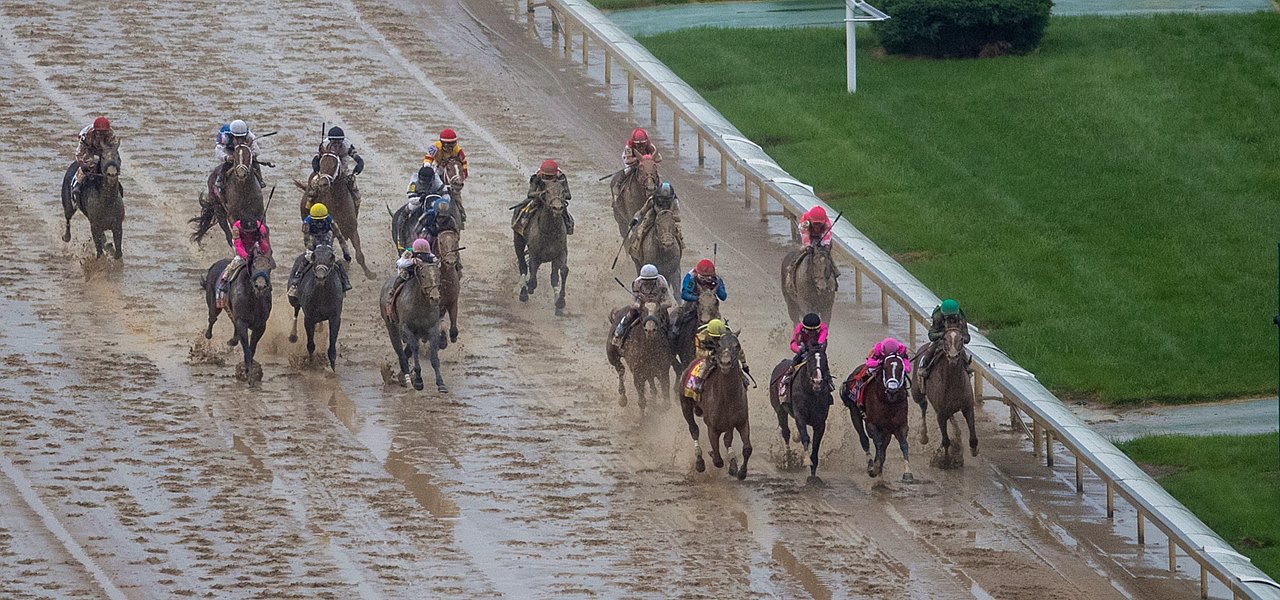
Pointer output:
x,y
203,222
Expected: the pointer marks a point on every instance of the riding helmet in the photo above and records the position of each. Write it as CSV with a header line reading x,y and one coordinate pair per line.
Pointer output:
x,y
665,191
442,207
319,211
101,124
336,133
715,328
448,136
426,174
239,127
549,168
639,136
704,268
950,307
812,321
890,346
421,246
648,272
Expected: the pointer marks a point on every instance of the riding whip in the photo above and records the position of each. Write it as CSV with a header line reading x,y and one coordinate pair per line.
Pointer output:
x,y
267,135
611,175
624,286
268,206
620,246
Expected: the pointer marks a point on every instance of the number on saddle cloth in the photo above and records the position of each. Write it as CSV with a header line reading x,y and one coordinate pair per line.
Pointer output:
x,y
696,372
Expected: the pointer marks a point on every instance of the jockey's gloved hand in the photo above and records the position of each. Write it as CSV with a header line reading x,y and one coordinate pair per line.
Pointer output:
x,y
746,369
635,222
357,170
346,256
799,357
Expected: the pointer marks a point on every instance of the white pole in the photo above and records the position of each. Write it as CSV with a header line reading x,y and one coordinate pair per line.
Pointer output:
x,y
851,66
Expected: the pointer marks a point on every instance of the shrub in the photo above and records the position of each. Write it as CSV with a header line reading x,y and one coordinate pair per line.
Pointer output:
x,y
963,28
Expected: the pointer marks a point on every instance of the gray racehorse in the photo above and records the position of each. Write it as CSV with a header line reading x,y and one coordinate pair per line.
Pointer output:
x,y
101,201
320,296
411,313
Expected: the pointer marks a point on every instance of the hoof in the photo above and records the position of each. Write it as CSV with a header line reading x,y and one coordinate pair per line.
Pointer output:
x,y
232,342
742,473
718,462
908,478
973,451
733,468
293,339
622,400
442,388
699,464
559,311
66,237
417,384
524,294
208,335
404,380
814,480
453,335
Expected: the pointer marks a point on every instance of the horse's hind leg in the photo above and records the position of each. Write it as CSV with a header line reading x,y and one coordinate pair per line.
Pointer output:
x,y
354,236
901,434
686,407
293,333
434,353
68,211
973,433
116,233
819,429
730,453
745,433
335,323
411,349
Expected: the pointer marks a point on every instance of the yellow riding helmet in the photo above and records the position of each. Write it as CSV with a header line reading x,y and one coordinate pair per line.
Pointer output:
x,y
319,211
715,328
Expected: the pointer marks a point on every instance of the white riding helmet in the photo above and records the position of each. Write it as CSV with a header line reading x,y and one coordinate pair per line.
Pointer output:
x,y
648,272
239,127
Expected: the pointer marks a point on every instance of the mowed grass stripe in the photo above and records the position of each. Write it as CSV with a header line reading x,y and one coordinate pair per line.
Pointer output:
x,y
1105,208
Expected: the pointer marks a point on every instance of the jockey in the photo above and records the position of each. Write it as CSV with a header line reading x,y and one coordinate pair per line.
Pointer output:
x,y
700,278
95,138
419,254
224,134
336,143
436,220
664,198
639,145
549,171
237,133
707,341
946,315
650,286
439,152
878,353
810,334
815,228
318,228
247,236
425,183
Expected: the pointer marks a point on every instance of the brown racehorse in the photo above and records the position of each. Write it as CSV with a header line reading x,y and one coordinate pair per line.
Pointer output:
x,y
646,350
630,191
330,187
450,278
692,317
451,172
240,198
948,390
722,403
883,414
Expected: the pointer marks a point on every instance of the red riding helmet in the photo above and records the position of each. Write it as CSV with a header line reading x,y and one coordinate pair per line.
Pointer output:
x,y
549,168
816,213
101,124
639,136
448,136
705,268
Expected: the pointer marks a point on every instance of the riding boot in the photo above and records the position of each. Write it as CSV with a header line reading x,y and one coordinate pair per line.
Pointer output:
x,y
355,192
568,223
257,173
346,279
620,331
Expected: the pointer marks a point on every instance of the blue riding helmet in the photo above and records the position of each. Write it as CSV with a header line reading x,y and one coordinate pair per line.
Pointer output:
x,y
441,206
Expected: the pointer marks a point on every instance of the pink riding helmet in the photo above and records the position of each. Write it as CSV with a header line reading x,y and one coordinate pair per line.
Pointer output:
x,y
421,246
890,346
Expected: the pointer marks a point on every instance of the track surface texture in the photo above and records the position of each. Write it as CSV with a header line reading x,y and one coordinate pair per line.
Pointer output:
x,y
135,465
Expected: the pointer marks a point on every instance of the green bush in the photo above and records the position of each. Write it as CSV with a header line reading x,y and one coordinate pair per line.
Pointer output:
x,y
963,28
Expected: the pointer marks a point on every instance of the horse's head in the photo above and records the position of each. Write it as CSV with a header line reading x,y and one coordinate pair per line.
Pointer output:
x,y
647,174
555,197
953,343
708,306
262,266
323,259
816,374
729,351
666,229
330,168
109,165
242,160
428,275
655,319
822,268
893,376
447,248
453,172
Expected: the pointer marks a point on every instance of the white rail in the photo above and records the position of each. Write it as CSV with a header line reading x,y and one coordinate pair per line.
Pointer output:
x,y
764,181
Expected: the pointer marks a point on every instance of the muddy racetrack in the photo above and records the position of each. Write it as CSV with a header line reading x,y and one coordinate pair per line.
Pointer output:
x,y
134,465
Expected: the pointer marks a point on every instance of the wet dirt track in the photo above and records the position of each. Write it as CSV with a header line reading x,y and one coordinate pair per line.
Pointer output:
x,y
136,466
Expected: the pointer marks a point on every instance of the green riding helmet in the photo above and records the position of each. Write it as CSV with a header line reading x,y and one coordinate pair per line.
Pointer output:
x,y
950,307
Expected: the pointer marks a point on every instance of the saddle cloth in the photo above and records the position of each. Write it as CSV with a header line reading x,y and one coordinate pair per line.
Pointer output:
x,y
693,376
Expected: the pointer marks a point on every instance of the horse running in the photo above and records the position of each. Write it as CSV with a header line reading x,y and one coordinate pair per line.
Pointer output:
x,y
452,171
101,201
545,240
948,390
248,306
412,315
661,248
320,296
883,414
722,402
807,400
241,196
691,317
450,278
330,187
646,350
630,191
809,282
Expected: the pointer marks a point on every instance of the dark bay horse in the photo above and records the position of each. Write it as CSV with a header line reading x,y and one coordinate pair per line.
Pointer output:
x,y
451,172
240,198
722,402
248,306
412,315
883,414
948,390
450,278
661,247
630,191
691,317
545,240
331,186
101,201
647,350
807,400
320,296
810,280
407,225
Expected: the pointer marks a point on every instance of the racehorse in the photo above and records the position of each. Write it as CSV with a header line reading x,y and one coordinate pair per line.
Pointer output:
x,y
248,302
412,314
646,350
320,296
809,282
722,402
407,225
450,278
948,390
331,186
545,240
691,317
240,198
630,191
883,414
661,247
101,201
452,170
807,400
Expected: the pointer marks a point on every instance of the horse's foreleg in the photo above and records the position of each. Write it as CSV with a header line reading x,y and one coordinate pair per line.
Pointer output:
x,y
973,433
223,222
686,407
714,436
434,353
453,319
730,453
881,439
518,243
116,234
924,424
393,332
802,431
411,348
310,325
531,279
819,429
68,211
293,333
901,434
744,431
638,381
946,439
99,238
563,265
335,323
354,236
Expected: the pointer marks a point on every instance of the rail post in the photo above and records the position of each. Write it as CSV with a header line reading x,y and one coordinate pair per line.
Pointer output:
x,y
911,333
631,88
1048,447
746,191
857,284
568,41
724,170
675,130
764,203
1142,528
884,306
702,155
1111,501
608,70
1079,476
584,47
1173,556
978,392
653,106
1035,436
